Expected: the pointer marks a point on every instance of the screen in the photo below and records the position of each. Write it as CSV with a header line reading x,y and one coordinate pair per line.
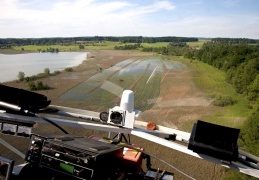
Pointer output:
x,y
66,167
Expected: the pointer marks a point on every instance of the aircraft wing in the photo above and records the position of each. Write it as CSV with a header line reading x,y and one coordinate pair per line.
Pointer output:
x,y
162,135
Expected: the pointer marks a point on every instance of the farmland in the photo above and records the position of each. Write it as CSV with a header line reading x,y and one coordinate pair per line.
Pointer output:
x,y
140,75
103,45
169,90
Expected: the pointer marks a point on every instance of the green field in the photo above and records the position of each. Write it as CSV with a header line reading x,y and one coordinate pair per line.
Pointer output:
x,y
104,45
197,44
158,44
212,82
107,45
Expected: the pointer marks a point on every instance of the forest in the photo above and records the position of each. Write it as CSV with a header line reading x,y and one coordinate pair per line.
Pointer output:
x,y
235,40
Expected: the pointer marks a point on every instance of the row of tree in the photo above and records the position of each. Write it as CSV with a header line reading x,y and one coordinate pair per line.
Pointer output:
x,y
46,73
173,48
50,49
128,46
8,42
235,40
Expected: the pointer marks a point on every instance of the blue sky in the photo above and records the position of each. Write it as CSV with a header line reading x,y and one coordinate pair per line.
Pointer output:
x,y
73,18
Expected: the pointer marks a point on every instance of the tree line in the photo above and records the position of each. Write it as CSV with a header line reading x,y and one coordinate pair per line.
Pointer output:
x,y
240,62
50,49
173,48
128,46
8,42
235,40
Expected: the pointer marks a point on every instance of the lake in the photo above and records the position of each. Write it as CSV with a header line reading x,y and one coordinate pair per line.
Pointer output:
x,y
34,63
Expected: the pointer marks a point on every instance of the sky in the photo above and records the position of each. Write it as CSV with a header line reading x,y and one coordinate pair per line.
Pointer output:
x,y
152,18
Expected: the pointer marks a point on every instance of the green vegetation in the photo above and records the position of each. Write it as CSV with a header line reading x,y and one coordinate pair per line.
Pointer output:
x,y
249,137
235,40
239,115
64,48
69,69
239,63
36,77
37,86
76,43
248,141
31,79
81,46
213,83
47,71
223,101
154,45
128,47
197,44
74,40
50,49
21,76
43,48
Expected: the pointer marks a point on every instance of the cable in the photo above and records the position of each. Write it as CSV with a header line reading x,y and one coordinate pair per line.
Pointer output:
x,y
53,123
124,137
25,111
161,160
129,138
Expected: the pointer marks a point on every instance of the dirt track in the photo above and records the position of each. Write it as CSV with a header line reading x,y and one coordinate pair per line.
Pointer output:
x,y
180,102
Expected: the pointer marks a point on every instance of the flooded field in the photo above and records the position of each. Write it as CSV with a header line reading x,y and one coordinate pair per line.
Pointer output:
x,y
142,75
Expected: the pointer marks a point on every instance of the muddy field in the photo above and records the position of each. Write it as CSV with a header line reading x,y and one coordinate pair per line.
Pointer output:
x,y
179,102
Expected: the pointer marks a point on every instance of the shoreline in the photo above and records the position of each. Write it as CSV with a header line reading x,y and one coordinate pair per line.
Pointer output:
x,y
12,51
33,66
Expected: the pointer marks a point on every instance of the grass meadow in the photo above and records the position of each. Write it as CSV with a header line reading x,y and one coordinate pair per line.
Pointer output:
x,y
105,45
197,44
211,82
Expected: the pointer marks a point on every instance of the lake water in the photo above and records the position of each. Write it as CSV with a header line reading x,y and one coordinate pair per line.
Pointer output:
x,y
34,63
